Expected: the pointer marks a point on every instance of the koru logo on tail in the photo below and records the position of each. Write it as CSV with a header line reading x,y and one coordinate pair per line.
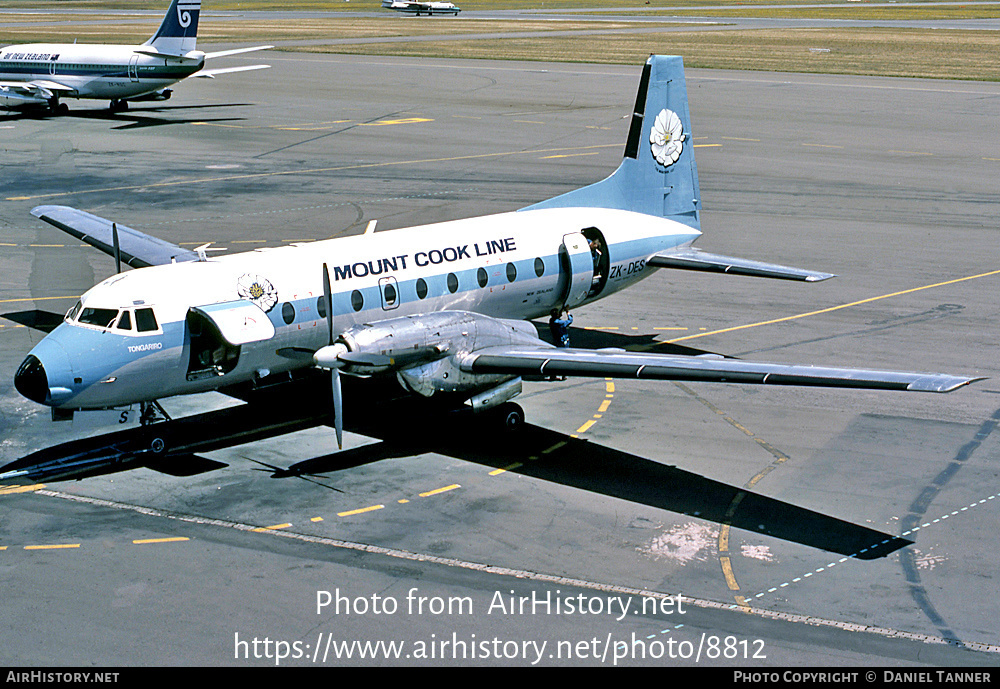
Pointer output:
x,y
184,9
667,138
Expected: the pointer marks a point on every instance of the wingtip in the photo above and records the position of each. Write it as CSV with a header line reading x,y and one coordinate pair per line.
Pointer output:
x,y
941,383
819,277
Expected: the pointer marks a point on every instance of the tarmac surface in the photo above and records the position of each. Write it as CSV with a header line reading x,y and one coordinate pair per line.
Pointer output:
x,y
431,534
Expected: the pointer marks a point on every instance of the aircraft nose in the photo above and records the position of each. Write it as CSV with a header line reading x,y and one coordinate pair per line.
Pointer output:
x,y
31,381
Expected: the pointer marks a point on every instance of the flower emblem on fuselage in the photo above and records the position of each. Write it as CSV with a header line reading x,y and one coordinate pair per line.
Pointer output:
x,y
257,289
666,139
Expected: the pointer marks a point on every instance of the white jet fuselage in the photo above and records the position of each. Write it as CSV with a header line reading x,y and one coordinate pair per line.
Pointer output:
x,y
112,72
513,265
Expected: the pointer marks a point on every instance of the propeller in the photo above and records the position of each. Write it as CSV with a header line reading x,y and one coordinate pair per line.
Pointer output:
x,y
117,248
338,400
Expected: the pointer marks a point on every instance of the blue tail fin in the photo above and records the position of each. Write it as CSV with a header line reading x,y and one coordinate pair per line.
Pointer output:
x,y
658,175
177,34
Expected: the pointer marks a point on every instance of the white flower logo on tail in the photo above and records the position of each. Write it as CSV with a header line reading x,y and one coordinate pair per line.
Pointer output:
x,y
667,138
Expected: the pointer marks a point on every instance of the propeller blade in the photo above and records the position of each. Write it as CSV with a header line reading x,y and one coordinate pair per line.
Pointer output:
x,y
338,399
118,250
338,408
328,302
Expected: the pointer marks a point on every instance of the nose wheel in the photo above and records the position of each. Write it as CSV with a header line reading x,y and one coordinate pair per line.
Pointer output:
x,y
152,412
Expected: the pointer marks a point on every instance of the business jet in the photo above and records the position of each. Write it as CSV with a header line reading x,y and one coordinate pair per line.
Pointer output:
x,y
419,7
41,74
441,310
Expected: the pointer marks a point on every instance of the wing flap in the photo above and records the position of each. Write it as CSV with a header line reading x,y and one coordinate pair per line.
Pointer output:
x,y
138,250
695,259
538,361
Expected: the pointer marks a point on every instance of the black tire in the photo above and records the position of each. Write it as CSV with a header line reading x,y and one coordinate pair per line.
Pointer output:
x,y
511,417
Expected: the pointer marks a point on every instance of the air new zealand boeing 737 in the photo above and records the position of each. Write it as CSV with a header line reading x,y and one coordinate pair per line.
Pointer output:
x,y
41,74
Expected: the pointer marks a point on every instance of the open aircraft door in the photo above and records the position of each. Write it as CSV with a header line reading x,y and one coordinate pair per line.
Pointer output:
x,y
217,333
577,265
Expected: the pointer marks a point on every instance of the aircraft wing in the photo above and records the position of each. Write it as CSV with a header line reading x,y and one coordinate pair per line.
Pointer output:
x,y
34,86
695,259
32,91
551,361
137,249
210,73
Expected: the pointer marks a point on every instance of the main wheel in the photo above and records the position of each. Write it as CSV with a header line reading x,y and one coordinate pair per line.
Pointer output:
x,y
511,417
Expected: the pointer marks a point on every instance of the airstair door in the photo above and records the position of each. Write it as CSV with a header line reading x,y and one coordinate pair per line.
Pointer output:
x,y
577,267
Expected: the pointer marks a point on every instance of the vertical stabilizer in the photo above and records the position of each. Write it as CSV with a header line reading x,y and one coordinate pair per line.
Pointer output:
x,y
177,34
658,175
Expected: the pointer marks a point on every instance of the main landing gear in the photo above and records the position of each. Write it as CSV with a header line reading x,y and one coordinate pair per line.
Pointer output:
x,y
509,416
118,105
57,108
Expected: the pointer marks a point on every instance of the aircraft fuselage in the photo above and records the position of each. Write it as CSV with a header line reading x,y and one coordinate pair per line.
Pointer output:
x,y
518,265
111,72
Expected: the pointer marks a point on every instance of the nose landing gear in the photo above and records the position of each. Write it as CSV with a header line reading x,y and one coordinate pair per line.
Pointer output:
x,y
152,412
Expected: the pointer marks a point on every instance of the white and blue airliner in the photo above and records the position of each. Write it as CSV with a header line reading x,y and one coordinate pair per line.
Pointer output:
x,y
441,309
42,74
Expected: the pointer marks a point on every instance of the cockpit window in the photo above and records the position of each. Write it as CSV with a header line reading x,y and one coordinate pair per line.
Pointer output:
x,y
145,321
102,318
142,320
73,312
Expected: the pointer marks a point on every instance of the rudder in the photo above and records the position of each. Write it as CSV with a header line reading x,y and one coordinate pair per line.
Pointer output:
x,y
658,175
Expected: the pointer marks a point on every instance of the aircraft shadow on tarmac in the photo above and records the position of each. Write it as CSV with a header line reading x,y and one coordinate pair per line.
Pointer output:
x,y
418,427
134,117
36,319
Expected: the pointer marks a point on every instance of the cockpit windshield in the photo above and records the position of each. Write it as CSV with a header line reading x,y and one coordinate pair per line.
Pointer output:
x,y
102,318
133,319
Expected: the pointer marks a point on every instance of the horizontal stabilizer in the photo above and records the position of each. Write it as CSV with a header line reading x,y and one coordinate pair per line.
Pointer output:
x,y
181,57
236,51
694,259
137,249
541,361
210,73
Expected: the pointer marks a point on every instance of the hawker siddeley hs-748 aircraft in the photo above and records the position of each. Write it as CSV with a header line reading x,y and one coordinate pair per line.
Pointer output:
x,y
441,308
419,7
41,74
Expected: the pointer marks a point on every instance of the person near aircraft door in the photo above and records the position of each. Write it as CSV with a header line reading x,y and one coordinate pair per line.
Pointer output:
x,y
559,327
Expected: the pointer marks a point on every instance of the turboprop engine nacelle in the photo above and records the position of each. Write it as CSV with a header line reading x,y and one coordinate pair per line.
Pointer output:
x,y
424,350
